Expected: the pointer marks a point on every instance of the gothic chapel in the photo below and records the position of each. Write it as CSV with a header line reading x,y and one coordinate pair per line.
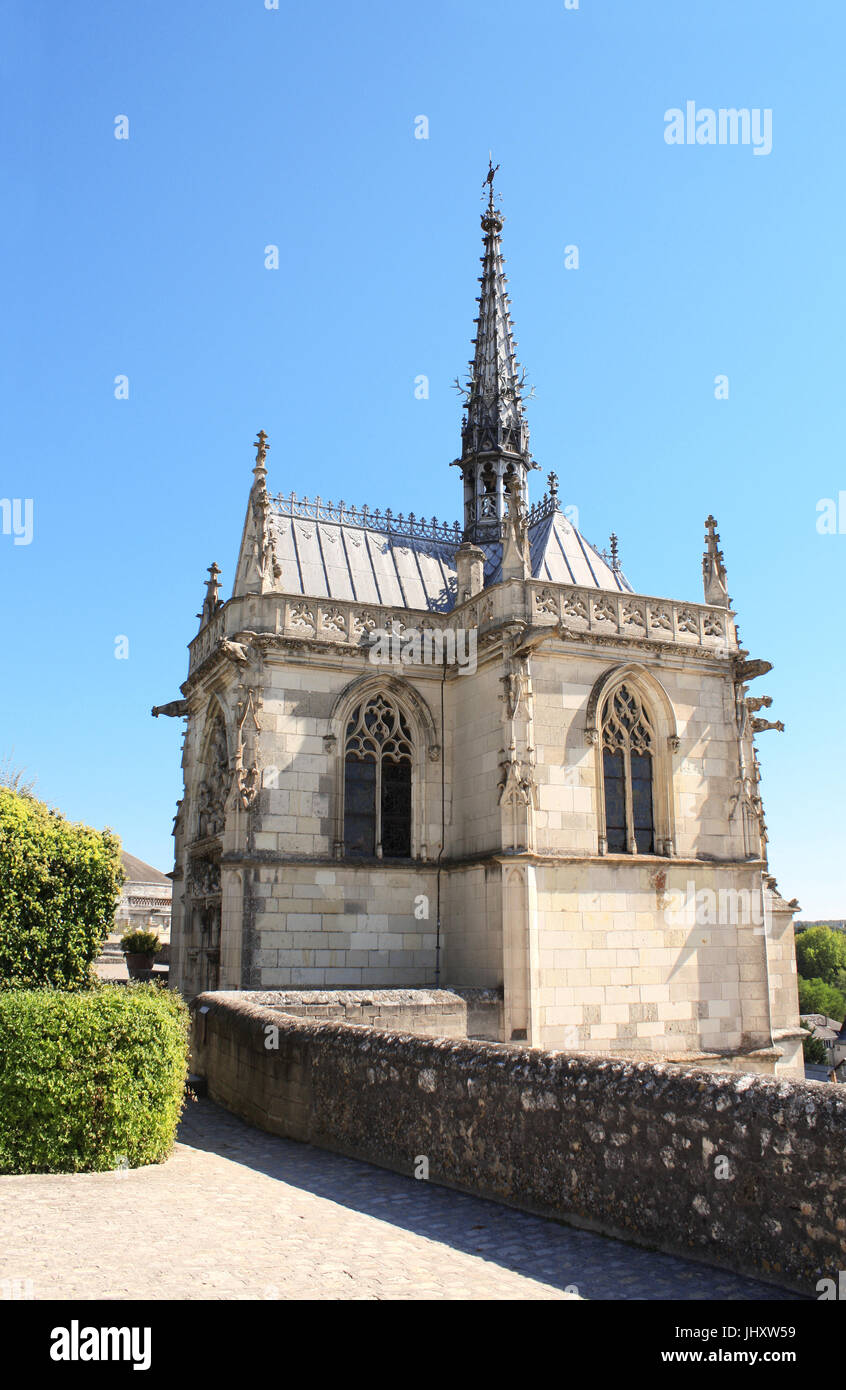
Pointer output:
x,y
573,824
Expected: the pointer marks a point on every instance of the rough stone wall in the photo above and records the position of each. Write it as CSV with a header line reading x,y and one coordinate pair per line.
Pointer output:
x,y
741,1171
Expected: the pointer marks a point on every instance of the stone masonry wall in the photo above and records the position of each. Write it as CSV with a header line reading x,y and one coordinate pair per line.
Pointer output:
x,y
736,1170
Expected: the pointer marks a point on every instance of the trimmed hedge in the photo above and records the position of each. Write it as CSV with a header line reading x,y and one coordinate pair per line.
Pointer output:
x,y
59,885
90,1081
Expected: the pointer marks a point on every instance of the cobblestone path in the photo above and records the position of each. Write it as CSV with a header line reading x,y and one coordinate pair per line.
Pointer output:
x,y
237,1213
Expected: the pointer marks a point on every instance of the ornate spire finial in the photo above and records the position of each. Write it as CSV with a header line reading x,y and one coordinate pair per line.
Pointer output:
x,y
494,434
713,567
212,600
615,552
261,447
552,479
489,181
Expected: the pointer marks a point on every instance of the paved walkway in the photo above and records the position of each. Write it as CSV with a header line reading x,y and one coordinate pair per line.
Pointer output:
x,y
237,1213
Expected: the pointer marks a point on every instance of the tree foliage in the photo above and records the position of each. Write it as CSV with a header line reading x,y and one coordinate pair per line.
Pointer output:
x,y
813,1049
819,997
59,885
821,954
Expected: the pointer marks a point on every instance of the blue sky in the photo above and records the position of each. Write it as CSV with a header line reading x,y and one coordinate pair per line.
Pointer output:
x,y
295,127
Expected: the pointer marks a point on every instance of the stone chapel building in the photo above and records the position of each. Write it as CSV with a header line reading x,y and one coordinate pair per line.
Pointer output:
x,y
572,817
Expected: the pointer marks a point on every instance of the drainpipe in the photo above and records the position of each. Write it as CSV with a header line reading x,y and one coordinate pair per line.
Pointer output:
x,y
443,834
765,918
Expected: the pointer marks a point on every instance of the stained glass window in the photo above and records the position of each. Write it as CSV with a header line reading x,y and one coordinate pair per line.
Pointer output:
x,y
377,782
627,749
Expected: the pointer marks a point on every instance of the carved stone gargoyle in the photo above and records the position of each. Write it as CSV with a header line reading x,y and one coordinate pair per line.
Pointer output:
x,y
759,726
174,709
759,702
750,670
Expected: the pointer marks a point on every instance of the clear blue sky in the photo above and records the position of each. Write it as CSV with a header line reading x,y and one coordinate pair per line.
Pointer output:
x,y
295,127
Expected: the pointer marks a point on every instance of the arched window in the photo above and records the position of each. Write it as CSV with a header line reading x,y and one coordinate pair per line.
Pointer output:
x,y
627,753
377,781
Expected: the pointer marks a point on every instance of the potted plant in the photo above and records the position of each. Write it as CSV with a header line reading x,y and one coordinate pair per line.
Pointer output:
x,y
140,949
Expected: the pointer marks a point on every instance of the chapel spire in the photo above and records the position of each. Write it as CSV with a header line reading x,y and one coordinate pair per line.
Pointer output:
x,y
713,566
494,436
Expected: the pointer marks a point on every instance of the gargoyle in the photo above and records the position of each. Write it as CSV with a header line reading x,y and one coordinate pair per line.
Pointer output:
x,y
750,670
759,702
760,725
174,709
234,649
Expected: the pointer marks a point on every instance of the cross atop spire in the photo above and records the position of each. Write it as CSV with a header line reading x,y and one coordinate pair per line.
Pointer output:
x,y
494,437
713,566
212,600
261,447
489,181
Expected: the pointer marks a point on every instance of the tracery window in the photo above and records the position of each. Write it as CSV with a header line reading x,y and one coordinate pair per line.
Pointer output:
x,y
378,754
627,765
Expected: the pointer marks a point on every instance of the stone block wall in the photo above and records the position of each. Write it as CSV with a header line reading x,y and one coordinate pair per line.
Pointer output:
x,y
736,1170
342,926
703,770
653,958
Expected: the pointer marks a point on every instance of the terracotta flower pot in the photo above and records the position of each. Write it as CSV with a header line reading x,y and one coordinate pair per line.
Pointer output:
x,y
139,964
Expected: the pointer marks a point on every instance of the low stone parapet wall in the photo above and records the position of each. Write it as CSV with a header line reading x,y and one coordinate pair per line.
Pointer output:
x,y
435,1012
737,1170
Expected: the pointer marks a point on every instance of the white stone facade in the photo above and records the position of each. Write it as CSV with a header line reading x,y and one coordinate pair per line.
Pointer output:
x,y
509,880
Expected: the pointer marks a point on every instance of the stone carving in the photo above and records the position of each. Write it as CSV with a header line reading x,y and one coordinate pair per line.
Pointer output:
x,y
713,568
364,621
517,783
515,688
247,773
333,619
633,615
236,650
174,710
546,602
687,621
265,564
659,617
212,601
302,616
575,607
203,878
713,625
211,795
604,611
759,726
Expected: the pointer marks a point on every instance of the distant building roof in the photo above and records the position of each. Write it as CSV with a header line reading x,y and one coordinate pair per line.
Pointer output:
x,y
139,872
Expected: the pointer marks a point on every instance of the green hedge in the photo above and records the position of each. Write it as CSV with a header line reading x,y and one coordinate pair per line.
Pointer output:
x,y
90,1081
59,885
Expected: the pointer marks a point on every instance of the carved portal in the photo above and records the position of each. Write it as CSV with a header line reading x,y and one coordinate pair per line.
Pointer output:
x,y
213,789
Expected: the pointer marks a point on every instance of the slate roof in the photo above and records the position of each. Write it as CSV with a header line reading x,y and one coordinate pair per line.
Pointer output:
x,y
139,872
328,552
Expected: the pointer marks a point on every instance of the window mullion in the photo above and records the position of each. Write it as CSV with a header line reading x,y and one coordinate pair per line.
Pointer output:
x,y
627,782
378,805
